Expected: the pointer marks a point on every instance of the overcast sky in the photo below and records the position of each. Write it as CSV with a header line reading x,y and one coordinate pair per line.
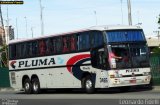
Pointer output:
x,y
67,15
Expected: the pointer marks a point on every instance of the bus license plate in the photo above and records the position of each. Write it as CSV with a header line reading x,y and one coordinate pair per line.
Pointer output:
x,y
132,81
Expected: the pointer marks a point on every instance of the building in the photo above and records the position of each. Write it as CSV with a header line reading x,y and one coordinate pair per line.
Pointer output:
x,y
9,32
1,36
153,42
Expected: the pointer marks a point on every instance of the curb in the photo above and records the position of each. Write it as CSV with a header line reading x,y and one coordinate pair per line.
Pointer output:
x,y
156,88
6,89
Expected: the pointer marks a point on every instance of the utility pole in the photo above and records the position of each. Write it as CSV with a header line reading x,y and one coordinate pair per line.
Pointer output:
x,y
95,16
8,28
122,11
129,12
41,18
17,27
26,26
32,31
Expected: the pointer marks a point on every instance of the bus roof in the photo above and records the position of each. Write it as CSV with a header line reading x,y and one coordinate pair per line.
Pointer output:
x,y
96,28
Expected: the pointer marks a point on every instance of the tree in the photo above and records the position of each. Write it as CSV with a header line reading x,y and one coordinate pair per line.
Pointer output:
x,y
3,56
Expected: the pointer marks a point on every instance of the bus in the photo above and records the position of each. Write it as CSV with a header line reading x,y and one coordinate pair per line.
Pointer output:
x,y
81,59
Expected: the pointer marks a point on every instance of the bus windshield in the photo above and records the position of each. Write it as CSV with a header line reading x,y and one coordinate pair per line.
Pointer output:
x,y
128,55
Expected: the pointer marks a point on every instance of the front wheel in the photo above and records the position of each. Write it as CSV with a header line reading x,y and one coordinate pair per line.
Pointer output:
x,y
35,86
88,85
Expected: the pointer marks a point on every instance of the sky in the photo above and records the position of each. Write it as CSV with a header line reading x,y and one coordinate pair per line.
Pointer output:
x,y
68,15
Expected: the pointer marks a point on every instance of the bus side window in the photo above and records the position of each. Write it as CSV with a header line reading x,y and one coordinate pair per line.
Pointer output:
x,y
18,53
96,39
42,47
34,48
54,46
48,46
66,43
13,51
28,52
58,45
73,42
83,41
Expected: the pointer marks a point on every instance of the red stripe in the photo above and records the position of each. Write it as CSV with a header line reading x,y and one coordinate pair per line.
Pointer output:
x,y
75,59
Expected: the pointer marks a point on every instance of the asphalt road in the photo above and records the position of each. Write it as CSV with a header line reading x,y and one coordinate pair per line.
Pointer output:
x,y
77,97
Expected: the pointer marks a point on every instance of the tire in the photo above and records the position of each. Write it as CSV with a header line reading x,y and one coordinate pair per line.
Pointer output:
x,y
27,86
88,85
35,86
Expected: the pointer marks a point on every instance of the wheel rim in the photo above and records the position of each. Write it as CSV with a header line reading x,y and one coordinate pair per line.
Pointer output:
x,y
88,84
35,86
27,86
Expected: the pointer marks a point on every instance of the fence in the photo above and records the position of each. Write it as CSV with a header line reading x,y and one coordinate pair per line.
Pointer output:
x,y
4,77
155,69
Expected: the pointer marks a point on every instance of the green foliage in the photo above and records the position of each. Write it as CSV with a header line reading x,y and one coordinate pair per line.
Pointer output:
x,y
156,50
3,56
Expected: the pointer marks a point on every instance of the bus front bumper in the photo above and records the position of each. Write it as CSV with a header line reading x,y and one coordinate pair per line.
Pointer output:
x,y
129,81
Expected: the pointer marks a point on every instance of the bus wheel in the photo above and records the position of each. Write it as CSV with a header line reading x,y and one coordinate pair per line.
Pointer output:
x,y
27,86
35,86
88,85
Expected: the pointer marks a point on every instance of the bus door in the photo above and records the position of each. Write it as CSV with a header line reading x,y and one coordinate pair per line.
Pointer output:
x,y
100,62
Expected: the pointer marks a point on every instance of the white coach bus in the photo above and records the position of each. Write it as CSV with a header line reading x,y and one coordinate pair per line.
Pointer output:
x,y
97,57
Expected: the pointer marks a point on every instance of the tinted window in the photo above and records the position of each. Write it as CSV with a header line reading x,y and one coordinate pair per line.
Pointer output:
x,y
12,51
96,39
83,41
42,47
66,44
34,48
59,44
73,41
48,46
